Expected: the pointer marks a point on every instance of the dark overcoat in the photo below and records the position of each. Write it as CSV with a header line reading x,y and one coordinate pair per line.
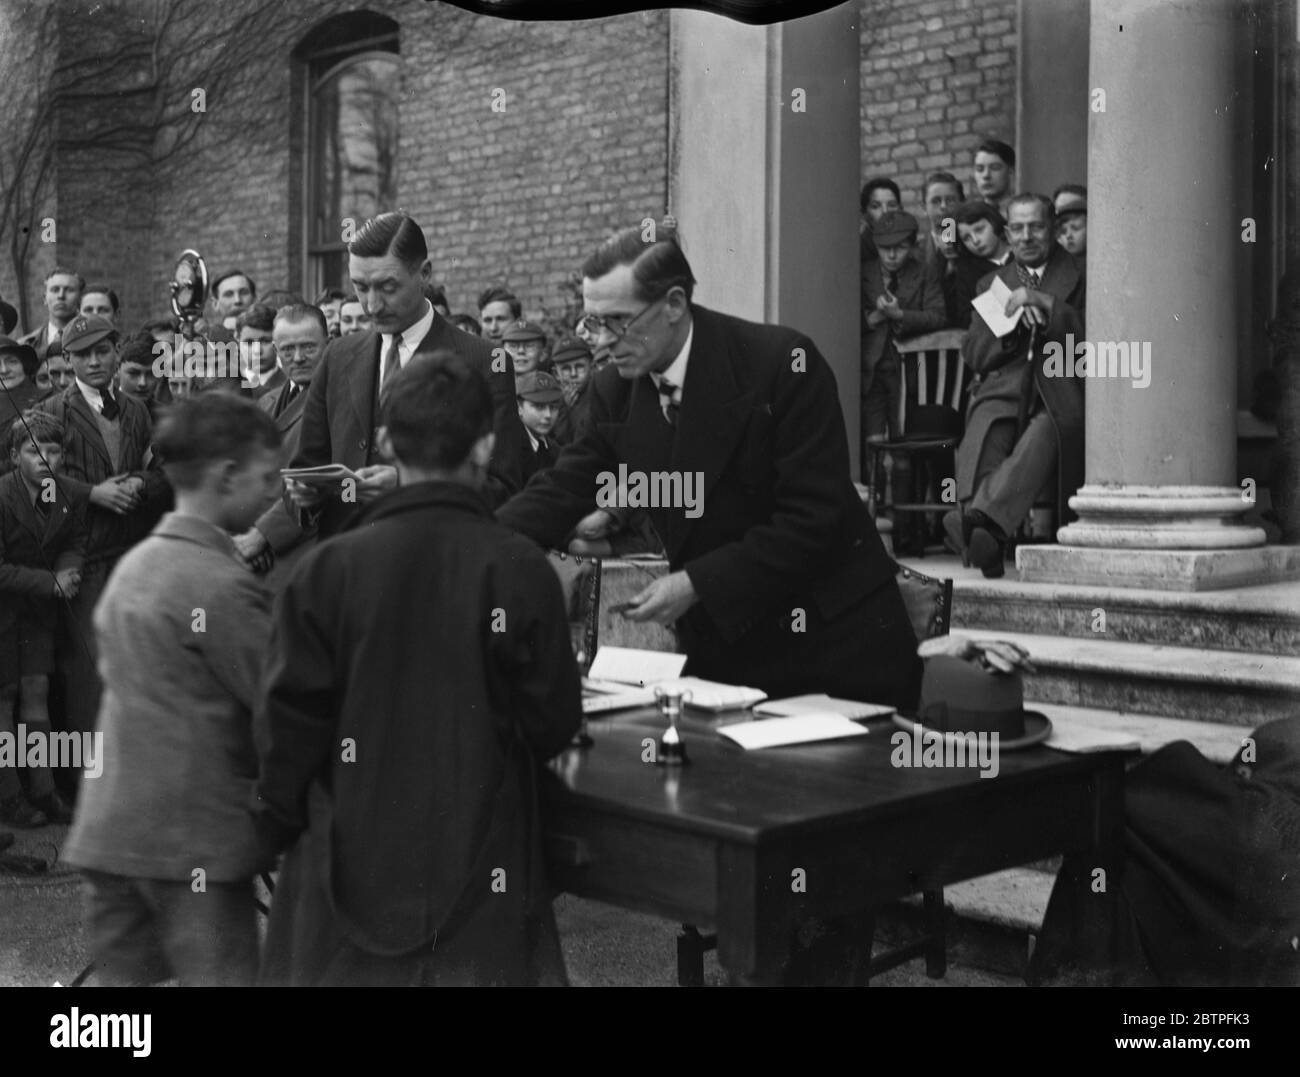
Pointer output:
x,y
1004,377
341,413
420,663
796,592
281,526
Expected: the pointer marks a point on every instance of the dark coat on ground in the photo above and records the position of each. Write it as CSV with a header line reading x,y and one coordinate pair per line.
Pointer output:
x,y
780,531
1003,378
341,412
1210,892
435,643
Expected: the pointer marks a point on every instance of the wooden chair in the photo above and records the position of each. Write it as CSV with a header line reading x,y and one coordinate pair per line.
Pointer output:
x,y
580,582
929,608
932,409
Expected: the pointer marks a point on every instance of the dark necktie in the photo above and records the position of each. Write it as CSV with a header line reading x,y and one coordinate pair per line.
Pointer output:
x,y
392,364
1027,277
666,403
108,406
893,284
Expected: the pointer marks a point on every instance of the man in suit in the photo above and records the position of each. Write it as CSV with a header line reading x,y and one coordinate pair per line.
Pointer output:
x,y
389,264
277,539
939,246
1024,428
436,643
106,463
63,288
777,578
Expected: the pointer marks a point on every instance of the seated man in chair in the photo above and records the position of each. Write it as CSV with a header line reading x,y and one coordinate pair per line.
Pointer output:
x,y
1024,426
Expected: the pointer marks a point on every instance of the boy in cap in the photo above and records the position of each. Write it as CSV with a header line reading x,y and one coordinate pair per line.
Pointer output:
x,y
106,463
571,358
417,858
164,835
525,343
540,400
1071,205
42,543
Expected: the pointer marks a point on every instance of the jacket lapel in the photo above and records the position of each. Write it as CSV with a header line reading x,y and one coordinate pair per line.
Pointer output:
x,y
1060,274
715,410
362,368
84,418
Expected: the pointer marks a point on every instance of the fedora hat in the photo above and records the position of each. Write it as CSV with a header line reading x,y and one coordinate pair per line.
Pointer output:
x,y
958,696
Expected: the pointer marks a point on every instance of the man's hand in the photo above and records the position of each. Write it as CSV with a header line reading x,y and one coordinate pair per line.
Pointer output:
x,y
302,495
1037,306
570,393
376,480
664,600
995,655
875,319
595,525
252,549
887,304
67,582
117,494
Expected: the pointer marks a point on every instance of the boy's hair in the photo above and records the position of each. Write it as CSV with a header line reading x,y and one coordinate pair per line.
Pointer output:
x,y
137,349
168,324
436,409
998,149
216,284
104,289
303,312
499,294
330,295
391,233
872,184
198,430
1070,188
260,317
436,295
657,267
35,425
64,271
970,212
943,177
467,322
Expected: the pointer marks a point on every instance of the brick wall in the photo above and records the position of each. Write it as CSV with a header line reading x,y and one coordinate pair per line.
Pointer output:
x,y
938,76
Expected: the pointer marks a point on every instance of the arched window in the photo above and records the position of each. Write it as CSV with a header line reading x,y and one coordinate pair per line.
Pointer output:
x,y
350,78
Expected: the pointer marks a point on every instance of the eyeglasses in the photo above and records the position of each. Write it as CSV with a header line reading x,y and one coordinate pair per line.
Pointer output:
x,y
593,325
292,351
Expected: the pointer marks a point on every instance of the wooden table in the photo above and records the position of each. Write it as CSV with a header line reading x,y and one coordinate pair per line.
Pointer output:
x,y
722,840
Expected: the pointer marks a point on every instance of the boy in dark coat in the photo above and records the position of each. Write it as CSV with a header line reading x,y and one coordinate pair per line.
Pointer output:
x,y
42,543
420,667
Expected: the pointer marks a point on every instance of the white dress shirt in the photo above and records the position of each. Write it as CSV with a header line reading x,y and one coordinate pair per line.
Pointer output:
x,y
408,342
675,372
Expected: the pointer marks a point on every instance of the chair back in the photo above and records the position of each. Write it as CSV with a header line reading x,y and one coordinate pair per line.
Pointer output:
x,y
935,383
580,582
928,601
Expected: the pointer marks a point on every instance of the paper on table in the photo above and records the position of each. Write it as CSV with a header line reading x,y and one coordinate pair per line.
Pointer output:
x,y
1072,737
630,665
820,703
991,305
805,729
714,695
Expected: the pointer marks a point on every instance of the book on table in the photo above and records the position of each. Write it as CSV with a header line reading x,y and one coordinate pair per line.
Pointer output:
x,y
624,677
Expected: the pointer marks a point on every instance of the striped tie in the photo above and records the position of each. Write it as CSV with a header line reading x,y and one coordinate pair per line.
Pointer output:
x,y
670,408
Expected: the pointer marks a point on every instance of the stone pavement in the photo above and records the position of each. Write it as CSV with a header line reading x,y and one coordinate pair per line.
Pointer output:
x,y
41,940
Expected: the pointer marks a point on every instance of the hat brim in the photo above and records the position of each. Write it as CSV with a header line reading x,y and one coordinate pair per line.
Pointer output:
x,y
893,239
89,340
26,355
1038,727
558,398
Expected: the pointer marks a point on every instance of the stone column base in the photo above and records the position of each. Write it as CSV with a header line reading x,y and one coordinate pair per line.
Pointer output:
x,y
1160,518
1160,570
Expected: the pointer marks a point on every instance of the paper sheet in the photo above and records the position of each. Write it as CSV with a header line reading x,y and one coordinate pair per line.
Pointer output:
x,y
991,305
805,729
630,665
820,703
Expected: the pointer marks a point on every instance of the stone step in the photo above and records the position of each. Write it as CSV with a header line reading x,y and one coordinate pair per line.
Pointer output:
x,y
1222,686
1259,620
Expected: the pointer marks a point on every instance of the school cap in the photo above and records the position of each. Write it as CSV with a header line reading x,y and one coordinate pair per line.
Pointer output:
x,y
569,350
86,330
893,228
521,330
538,387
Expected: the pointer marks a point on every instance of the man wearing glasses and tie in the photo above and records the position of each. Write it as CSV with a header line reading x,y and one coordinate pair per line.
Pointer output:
x,y
778,580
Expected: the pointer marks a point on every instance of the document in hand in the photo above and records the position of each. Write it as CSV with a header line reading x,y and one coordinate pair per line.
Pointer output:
x,y
805,729
324,475
991,305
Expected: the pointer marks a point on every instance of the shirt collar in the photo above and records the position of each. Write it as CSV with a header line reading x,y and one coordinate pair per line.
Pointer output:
x,y
412,334
675,372
195,529
263,378
91,395
533,439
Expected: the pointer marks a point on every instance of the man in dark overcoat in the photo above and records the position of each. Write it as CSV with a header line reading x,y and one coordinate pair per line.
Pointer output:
x,y
732,432
1024,426
420,667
